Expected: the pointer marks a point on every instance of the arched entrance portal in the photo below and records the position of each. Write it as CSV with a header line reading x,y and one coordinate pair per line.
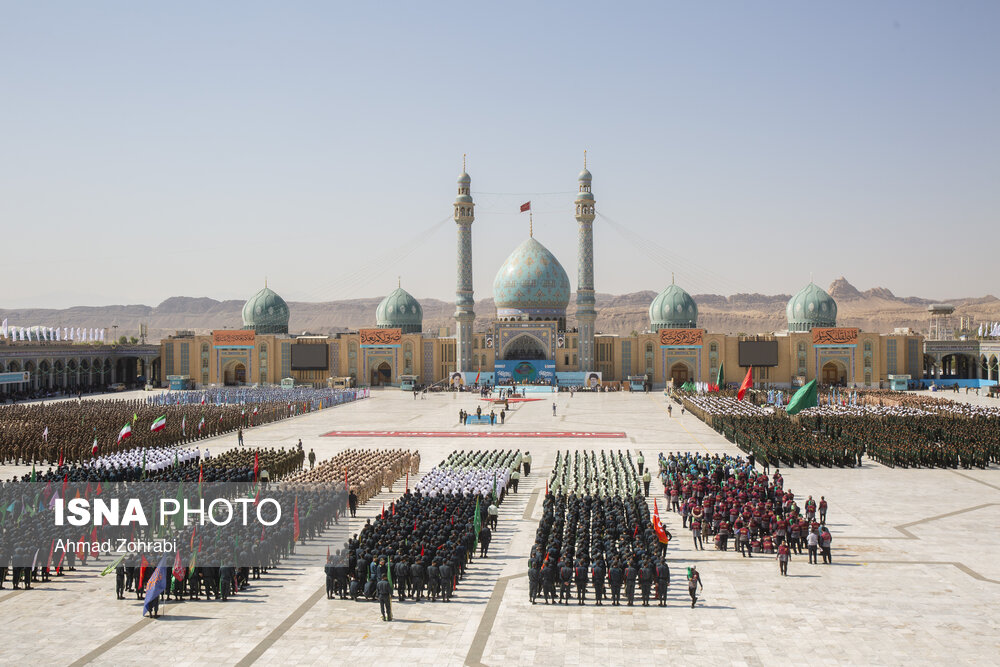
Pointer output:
x,y
381,374
834,373
525,347
679,373
234,373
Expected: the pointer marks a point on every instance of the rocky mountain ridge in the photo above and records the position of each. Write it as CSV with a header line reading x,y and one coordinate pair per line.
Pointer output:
x,y
876,309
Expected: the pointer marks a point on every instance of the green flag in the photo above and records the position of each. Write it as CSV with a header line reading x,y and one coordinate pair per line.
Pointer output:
x,y
179,517
388,572
33,476
720,377
476,525
803,398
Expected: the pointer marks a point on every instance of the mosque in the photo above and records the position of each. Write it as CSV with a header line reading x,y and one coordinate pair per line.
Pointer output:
x,y
528,338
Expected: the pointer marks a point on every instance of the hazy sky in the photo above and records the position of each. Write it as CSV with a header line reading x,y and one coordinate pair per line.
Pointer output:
x,y
193,148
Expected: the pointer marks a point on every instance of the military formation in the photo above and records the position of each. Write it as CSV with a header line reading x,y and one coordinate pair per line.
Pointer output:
x,y
897,430
48,433
723,498
419,548
596,535
365,472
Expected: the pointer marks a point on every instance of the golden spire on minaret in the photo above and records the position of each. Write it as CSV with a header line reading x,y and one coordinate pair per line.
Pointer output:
x,y
584,158
463,162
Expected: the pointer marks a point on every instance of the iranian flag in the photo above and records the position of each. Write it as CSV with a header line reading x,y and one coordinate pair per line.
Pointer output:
x,y
93,451
159,424
124,433
201,424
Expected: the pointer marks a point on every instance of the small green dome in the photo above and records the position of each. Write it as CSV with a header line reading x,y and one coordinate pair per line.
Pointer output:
x,y
673,308
585,175
400,310
811,307
464,179
266,313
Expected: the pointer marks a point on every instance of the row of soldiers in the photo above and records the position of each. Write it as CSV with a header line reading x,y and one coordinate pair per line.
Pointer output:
x,y
779,440
366,472
425,540
67,431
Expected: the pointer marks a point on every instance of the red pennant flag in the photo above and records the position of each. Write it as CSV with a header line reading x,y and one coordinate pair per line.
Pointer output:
x,y
142,570
48,563
60,458
179,569
328,553
392,506
526,206
86,494
295,519
407,480
191,543
256,465
97,491
421,550
636,531
383,510
93,542
414,525
746,384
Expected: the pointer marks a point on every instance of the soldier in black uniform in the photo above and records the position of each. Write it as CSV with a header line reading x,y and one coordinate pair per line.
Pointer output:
x,y
384,589
565,582
631,573
549,583
598,574
645,581
447,579
662,582
615,578
580,579
534,579
330,577
417,576
400,575
119,581
433,580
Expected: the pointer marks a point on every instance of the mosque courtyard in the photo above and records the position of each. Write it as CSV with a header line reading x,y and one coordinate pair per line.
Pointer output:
x,y
915,578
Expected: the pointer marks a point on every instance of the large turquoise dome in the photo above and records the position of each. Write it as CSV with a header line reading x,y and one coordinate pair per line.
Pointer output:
x,y
266,313
399,310
531,285
673,308
811,307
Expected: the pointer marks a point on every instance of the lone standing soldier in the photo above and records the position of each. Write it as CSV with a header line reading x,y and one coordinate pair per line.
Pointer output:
x,y
384,590
694,581
352,503
640,461
646,479
312,458
526,460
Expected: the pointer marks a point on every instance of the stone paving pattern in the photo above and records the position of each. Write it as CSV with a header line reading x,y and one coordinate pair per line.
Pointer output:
x,y
915,577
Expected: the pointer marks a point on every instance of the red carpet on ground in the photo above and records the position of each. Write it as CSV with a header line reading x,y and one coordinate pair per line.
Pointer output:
x,y
512,400
473,434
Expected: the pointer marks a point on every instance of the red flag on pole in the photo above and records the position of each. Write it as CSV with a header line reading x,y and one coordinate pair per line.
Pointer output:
x,y
383,510
526,206
392,506
295,519
179,569
60,458
407,480
746,384
256,465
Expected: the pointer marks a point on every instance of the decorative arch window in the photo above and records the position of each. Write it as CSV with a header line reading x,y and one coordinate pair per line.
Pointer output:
x,y
713,347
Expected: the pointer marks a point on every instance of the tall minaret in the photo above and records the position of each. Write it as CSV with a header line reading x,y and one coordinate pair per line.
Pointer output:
x,y
585,313
464,313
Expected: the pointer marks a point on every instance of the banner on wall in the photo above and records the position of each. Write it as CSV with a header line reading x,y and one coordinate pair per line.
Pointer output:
x,y
233,338
380,337
524,371
579,379
681,336
835,336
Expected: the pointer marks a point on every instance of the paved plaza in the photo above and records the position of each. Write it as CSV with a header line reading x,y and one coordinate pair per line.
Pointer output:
x,y
915,577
